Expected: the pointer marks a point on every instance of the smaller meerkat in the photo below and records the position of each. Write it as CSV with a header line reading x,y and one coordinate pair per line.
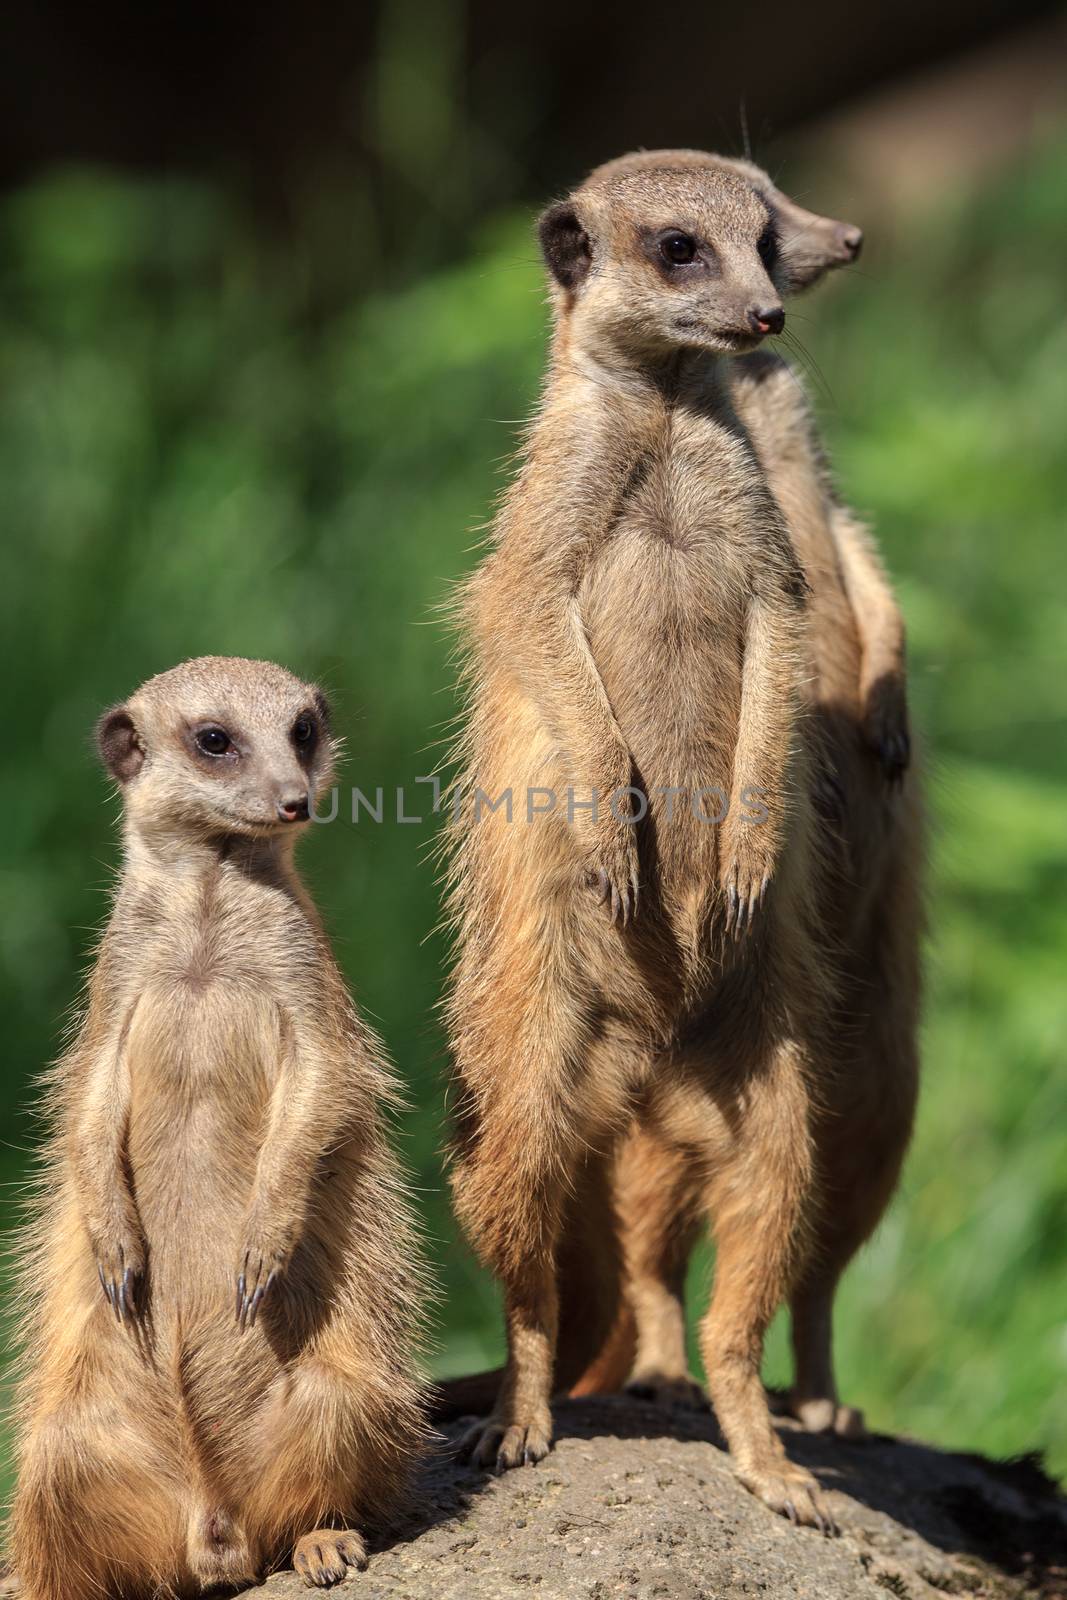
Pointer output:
x,y
221,1286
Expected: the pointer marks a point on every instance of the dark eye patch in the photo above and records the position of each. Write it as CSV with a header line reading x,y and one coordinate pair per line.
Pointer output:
x,y
768,245
213,740
676,253
304,734
678,249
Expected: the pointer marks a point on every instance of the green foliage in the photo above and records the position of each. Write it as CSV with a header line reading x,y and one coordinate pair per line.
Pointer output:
x,y
192,461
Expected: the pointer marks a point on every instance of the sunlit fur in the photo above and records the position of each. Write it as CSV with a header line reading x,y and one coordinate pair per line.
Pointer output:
x,y
644,1211
220,1107
872,912
641,618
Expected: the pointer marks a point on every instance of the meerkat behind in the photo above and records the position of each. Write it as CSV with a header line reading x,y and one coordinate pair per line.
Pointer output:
x,y
220,1282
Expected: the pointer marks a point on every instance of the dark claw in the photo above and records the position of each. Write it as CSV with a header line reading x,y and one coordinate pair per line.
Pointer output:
x,y
258,1298
603,886
791,1512
731,905
242,1300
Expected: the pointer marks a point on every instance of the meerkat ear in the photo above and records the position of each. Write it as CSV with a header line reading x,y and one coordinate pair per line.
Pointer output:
x,y
565,244
120,747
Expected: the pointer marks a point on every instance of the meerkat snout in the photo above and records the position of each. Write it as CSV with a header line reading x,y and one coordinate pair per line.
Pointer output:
x,y
294,809
766,319
219,746
851,239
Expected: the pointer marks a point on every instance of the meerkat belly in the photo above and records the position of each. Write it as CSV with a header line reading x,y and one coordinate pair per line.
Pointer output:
x,y
203,1058
665,625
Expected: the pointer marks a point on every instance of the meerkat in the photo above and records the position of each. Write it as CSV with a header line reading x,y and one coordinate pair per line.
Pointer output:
x,y
775,407
221,1278
637,648
633,1227
871,904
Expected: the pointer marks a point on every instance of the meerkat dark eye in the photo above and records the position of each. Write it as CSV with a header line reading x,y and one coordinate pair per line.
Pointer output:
x,y
768,247
303,733
678,249
213,741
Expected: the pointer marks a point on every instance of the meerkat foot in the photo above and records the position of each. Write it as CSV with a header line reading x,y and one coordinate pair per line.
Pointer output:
x,y
678,1394
793,1493
502,1443
325,1557
822,1414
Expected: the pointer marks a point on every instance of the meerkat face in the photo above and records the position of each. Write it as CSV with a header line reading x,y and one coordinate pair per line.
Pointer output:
x,y
220,745
809,246
666,257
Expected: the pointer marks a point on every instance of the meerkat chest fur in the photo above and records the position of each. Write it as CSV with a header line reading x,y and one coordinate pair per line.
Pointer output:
x,y
664,594
214,967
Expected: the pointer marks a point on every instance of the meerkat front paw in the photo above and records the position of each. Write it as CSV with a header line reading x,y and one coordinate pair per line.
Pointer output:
x,y
885,726
259,1265
326,1556
120,1264
746,869
613,871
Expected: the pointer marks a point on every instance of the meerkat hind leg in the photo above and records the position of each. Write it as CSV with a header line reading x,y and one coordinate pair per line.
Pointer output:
x,y
813,1399
661,1205
758,1191
518,1432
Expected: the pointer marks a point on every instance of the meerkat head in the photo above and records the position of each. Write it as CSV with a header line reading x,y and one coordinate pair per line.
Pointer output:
x,y
652,255
220,746
657,248
809,246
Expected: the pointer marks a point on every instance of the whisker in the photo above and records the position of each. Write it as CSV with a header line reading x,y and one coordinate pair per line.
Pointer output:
x,y
810,365
745,140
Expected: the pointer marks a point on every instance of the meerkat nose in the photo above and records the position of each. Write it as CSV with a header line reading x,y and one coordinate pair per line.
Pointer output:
x,y
294,809
766,319
851,240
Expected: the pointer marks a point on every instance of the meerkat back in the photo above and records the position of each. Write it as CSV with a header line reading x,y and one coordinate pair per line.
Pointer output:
x,y
221,1284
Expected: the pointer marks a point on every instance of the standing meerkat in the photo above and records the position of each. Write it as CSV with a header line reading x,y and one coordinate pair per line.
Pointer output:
x,y
634,1227
637,648
870,899
221,1285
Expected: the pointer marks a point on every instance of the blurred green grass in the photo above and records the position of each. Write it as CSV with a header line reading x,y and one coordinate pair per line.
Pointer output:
x,y
195,459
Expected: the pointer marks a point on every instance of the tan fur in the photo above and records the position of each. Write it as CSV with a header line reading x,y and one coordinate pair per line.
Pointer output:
x,y
640,621
217,1116
871,909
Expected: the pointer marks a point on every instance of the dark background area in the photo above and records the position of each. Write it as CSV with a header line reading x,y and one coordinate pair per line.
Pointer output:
x,y
432,115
